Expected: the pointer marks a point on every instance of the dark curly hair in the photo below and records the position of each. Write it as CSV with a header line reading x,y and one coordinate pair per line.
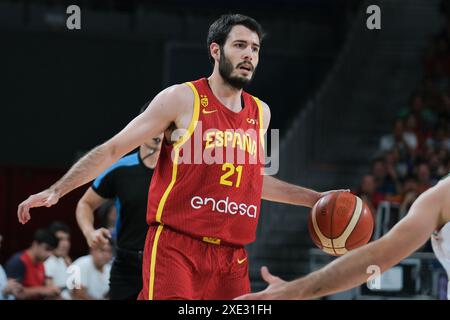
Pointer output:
x,y
219,30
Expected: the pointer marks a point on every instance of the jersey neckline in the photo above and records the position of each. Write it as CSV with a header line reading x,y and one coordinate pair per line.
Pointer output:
x,y
222,107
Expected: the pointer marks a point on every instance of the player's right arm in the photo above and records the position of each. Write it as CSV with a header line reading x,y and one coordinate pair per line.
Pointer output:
x,y
169,106
426,215
85,218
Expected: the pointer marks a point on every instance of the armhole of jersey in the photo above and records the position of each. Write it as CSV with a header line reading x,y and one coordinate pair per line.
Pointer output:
x,y
261,120
176,147
194,119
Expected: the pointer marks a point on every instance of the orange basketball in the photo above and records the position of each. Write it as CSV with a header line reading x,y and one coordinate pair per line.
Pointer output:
x,y
340,222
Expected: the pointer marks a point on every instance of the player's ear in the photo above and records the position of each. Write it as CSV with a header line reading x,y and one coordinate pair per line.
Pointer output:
x,y
214,49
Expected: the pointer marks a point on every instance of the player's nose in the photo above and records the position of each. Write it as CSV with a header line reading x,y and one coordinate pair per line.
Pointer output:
x,y
247,54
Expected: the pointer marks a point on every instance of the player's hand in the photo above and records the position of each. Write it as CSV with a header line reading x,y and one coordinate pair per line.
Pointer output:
x,y
45,198
98,237
277,289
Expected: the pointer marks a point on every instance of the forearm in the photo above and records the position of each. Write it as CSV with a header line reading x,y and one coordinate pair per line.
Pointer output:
x,y
281,191
85,217
351,270
86,169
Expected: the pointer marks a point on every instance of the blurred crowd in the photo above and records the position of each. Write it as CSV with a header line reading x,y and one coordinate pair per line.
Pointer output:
x,y
415,155
45,270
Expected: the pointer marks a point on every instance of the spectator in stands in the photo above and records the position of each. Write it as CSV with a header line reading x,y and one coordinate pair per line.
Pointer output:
x,y
56,265
437,169
398,171
423,177
27,267
405,142
9,288
94,274
413,131
396,167
368,193
385,183
409,194
440,139
443,155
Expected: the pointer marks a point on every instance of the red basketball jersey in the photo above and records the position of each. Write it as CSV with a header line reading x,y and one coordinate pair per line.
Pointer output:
x,y
208,184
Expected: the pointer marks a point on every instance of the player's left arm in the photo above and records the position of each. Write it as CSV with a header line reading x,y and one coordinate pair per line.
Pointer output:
x,y
280,191
351,270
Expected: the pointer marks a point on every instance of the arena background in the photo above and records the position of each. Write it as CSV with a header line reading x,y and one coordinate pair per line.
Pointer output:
x,y
334,87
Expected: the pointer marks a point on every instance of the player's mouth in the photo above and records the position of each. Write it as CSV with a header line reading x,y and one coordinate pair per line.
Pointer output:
x,y
246,67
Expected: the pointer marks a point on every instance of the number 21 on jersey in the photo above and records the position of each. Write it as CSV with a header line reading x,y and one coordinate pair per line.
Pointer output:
x,y
229,177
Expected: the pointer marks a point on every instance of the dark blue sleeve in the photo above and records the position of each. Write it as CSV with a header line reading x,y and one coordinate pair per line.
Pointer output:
x,y
15,268
103,185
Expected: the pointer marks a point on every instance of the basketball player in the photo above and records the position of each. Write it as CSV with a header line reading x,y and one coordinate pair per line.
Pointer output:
x,y
201,212
429,216
126,182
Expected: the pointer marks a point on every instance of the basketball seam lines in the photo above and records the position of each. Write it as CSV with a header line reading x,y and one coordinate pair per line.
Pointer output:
x,y
331,224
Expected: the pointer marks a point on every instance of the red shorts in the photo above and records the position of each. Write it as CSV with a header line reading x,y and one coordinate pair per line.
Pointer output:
x,y
177,266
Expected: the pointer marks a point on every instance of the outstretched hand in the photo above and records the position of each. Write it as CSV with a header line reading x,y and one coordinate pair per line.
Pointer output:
x,y
277,289
45,198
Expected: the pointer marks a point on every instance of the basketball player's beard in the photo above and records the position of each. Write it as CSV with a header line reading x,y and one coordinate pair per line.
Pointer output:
x,y
226,69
